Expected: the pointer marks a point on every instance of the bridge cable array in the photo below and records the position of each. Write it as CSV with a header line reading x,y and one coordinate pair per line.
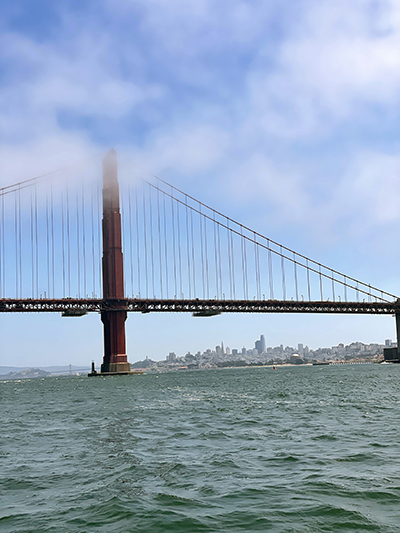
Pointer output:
x,y
223,259
175,247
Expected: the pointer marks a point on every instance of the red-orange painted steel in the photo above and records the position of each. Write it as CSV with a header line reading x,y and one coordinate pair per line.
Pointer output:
x,y
115,358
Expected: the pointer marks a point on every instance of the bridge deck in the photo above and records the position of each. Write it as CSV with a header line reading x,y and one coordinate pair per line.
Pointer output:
x,y
8,305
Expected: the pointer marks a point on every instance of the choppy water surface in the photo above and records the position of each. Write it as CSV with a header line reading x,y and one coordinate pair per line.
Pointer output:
x,y
294,449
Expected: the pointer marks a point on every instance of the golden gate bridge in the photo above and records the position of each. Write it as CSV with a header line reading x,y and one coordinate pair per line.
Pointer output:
x,y
61,243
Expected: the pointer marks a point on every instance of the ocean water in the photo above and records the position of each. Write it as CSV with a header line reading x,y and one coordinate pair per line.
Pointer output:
x,y
296,449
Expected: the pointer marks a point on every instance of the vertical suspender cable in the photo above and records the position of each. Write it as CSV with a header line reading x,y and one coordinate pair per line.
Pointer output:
x,y
243,270
146,277
137,241
3,248
270,272
202,253
345,288
159,241
179,250
259,270
20,242
52,239
193,256
1,254
123,230
78,243
257,266
130,236
188,248
295,276
36,244
333,287
173,241
229,259
151,242
32,253
99,225
320,283
283,276
165,248
68,243
221,290
233,267
48,242
216,256
84,240
308,281
93,242
206,257
63,242
16,244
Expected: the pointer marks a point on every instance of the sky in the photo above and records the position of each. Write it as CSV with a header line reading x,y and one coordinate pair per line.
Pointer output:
x,y
281,114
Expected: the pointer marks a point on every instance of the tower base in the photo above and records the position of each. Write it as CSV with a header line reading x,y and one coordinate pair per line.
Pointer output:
x,y
115,368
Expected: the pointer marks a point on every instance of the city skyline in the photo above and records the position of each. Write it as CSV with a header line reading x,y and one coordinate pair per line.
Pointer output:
x,y
279,351
211,358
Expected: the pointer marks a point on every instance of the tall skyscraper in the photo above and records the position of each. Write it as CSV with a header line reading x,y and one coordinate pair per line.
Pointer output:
x,y
263,343
260,345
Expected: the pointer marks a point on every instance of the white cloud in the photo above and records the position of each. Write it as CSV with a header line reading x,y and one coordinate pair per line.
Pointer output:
x,y
79,79
189,150
372,189
47,154
279,184
340,58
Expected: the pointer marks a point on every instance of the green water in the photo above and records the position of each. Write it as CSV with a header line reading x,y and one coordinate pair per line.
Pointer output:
x,y
295,449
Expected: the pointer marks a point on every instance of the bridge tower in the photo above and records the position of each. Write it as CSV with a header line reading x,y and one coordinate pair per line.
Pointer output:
x,y
115,359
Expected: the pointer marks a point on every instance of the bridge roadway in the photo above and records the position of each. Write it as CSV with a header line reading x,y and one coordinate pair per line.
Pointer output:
x,y
79,306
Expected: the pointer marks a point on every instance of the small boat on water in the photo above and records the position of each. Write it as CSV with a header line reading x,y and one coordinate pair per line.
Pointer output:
x,y
321,363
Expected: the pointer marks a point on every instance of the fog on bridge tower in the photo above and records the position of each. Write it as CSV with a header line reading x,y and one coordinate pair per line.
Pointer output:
x,y
71,245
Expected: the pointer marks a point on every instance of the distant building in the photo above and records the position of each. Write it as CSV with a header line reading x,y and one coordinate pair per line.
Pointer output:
x,y
388,343
171,357
260,345
234,351
244,351
300,349
263,343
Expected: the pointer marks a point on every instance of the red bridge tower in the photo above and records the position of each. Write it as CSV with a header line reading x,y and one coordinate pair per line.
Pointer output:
x,y
115,359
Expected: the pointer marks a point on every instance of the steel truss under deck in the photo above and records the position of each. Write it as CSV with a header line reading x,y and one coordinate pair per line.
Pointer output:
x,y
208,307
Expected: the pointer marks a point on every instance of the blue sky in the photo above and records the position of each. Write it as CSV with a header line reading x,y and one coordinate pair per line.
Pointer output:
x,y
283,115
